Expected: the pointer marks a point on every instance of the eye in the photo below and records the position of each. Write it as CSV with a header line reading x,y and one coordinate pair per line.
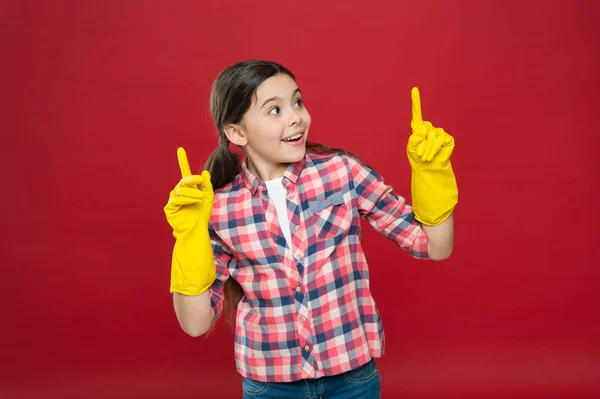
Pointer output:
x,y
274,109
299,103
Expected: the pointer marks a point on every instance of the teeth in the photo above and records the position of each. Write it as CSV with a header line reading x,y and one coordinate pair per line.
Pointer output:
x,y
294,137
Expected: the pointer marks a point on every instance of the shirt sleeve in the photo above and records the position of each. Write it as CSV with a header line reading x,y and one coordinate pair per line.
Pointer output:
x,y
222,255
389,214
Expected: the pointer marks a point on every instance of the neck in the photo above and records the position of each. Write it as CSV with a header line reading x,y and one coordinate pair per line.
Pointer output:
x,y
266,171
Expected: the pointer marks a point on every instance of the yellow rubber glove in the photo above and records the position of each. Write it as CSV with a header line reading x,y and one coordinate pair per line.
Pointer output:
x,y
188,213
434,189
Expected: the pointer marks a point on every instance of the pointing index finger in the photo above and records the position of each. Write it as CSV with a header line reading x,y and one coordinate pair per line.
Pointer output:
x,y
206,183
184,165
417,115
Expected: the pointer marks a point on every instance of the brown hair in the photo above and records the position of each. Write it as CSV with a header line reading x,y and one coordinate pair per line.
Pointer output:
x,y
230,98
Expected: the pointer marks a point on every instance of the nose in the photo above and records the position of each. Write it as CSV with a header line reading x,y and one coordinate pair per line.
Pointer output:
x,y
295,118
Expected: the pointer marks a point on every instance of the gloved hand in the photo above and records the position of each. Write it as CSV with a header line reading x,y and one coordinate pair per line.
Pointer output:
x,y
188,213
434,189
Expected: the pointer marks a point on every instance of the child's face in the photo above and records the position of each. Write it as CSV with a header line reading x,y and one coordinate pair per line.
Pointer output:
x,y
277,113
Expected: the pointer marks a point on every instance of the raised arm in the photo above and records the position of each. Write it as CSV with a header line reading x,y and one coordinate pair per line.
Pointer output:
x,y
434,188
192,266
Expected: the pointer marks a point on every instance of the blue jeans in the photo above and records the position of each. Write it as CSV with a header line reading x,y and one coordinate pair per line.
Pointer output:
x,y
360,383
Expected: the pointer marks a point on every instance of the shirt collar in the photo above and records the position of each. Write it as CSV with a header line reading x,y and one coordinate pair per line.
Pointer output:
x,y
253,183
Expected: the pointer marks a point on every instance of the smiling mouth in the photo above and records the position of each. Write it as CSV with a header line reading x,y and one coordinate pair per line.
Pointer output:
x,y
294,138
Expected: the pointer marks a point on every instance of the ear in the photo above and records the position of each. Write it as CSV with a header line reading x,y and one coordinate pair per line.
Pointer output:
x,y
236,135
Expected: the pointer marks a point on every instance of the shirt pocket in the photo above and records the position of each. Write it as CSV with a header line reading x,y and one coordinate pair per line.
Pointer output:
x,y
332,215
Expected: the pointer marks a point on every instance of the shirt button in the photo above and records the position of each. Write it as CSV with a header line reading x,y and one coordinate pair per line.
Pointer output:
x,y
293,196
299,257
303,319
307,348
296,227
298,289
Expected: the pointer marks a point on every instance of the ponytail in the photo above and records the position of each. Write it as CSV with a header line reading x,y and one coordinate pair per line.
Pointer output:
x,y
223,165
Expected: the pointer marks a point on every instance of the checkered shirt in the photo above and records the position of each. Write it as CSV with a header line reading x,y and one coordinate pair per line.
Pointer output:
x,y
307,311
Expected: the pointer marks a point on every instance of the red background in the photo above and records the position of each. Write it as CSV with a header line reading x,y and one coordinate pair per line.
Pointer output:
x,y
97,96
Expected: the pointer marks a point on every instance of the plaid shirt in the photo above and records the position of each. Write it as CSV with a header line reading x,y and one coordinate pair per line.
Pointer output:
x,y
307,310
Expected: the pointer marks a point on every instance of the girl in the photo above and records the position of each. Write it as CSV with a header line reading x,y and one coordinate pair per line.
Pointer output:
x,y
278,240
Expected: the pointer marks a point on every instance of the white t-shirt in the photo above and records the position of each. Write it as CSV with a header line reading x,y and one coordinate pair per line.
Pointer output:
x,y
277,193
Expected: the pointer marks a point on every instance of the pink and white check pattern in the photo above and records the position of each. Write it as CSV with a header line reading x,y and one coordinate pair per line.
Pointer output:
x,y
307,310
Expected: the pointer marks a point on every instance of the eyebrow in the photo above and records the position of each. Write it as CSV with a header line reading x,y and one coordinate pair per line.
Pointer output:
x,y
279,98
